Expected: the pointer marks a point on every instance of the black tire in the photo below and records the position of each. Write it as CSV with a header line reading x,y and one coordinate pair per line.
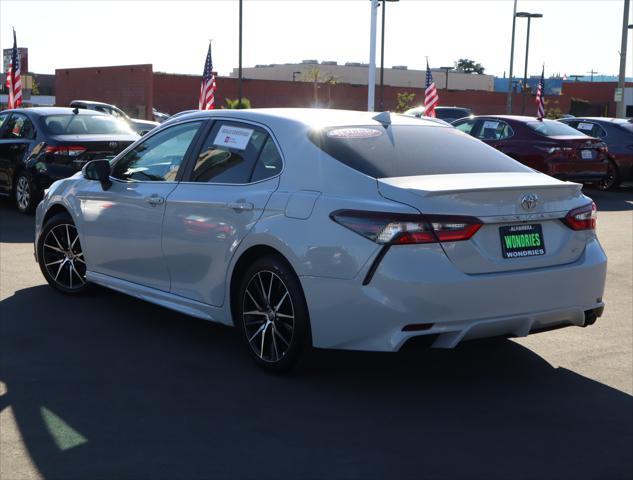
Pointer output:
x,y
60,256
275,341
613,178
25,194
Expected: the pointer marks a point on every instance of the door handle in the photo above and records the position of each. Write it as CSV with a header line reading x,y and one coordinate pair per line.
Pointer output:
x,y
155,200
244,206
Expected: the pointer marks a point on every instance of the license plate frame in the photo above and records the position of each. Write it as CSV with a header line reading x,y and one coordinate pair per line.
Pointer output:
x,y
522,241
586,154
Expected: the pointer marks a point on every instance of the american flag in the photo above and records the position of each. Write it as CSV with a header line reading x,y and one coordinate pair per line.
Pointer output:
x,y
208,87
14,82
540,97
430,94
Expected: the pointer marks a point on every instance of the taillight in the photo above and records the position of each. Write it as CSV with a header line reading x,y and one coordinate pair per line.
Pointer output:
x,y
401,229
583,218
69,151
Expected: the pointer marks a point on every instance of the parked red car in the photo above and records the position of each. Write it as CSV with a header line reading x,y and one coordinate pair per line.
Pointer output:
x,y
548,146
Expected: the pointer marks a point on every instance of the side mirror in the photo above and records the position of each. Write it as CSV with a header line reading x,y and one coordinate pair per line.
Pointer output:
x,y
98,170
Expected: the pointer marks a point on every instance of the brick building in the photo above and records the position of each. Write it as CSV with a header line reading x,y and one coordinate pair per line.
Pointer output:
x,y
137,89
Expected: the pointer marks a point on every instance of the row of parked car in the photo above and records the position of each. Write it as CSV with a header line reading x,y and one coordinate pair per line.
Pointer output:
x,y
595,150
41,145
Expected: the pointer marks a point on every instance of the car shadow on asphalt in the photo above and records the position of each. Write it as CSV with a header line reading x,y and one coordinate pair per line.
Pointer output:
x,y
107,386
14,226
618,200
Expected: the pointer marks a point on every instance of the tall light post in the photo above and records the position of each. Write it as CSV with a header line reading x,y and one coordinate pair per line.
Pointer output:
x,y
529,16
446,70
371,78
382,53
620,110
510,87
239,68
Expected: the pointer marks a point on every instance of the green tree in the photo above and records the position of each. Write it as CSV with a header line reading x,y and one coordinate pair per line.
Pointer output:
x,y
466,65
315,76
236,105
35,88
405,101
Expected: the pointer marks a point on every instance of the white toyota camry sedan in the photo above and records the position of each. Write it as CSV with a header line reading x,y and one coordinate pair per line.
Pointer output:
x,y
332,229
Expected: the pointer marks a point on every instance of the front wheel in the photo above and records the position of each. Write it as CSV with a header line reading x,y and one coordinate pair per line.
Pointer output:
x,y
612,180
60,256
272,315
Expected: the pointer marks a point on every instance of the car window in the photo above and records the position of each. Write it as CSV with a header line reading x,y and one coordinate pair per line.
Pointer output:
x,y
590,128
494,130
552,128
19,126
158,158
229,153
3,118
269,163
407,150
90,124
465,126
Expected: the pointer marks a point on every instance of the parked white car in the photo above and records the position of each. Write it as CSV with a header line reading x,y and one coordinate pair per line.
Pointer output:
x,y
332,229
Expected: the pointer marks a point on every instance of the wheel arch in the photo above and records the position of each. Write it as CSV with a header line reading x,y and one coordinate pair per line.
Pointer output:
x,y
54,210
245,259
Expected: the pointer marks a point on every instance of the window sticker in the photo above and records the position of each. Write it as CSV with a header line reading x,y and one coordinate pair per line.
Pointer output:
x,y
354,133
585,126
233,137
491,124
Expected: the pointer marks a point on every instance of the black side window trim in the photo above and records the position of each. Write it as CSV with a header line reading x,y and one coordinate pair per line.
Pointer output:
x,y
185,161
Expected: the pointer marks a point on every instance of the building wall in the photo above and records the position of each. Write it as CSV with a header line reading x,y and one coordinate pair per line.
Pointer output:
x,y
129,87
357,75
599,96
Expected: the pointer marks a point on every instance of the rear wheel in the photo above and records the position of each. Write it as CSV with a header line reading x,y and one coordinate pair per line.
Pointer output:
x,y
612,179
272,315
60,256
25,194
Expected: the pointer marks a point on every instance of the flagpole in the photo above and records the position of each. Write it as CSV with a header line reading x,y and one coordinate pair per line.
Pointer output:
x,y
371,79
239,83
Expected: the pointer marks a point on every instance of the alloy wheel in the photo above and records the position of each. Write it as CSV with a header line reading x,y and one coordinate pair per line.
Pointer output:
x,y
608,182
268,315
23,192
63,257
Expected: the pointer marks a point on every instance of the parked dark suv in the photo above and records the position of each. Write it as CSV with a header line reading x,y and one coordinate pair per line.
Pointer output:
x,y
548,146
617,133
41,145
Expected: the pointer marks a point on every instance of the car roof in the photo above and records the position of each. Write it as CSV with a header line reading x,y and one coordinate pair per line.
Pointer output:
x,y
599,119
310,117
42,111
516,118
92,102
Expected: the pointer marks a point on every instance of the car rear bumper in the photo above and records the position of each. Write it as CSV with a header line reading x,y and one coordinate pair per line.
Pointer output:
x,y
417,291
578,171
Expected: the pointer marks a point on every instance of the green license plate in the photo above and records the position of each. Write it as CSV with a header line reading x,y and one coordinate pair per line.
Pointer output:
x,y
519,241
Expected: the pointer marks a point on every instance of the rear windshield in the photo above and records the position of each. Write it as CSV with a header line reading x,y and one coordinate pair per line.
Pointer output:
x,y
453,113
72,124
408,150
551,128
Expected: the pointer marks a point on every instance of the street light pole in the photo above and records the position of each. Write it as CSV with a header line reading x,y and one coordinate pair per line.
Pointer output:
x,y
529,16
239,68
382,57
371,80
509,99
621,106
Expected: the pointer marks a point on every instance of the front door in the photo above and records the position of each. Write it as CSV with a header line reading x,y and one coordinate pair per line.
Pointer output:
x,y
222,195
121,227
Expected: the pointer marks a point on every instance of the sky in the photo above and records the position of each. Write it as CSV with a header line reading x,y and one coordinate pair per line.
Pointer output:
x,y
573,37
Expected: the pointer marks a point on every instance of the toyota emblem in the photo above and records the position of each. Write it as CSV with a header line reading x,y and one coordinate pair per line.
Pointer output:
x,y
529,201
113,144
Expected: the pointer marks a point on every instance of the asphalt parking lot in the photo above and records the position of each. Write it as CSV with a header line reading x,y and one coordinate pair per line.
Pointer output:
x,y
105,386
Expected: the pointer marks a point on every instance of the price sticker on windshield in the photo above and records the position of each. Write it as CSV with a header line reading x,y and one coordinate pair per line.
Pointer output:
x,y
490,124
585,126
233,137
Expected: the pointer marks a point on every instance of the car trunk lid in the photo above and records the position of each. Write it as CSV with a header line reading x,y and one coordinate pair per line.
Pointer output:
x,y
509,205
80,149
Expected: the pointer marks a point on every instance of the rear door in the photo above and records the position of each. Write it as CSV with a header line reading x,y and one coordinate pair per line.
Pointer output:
x,y
222,195
496,133
122,226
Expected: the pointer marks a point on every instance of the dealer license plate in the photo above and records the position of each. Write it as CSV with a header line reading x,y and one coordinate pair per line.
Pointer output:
x,y
522,241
